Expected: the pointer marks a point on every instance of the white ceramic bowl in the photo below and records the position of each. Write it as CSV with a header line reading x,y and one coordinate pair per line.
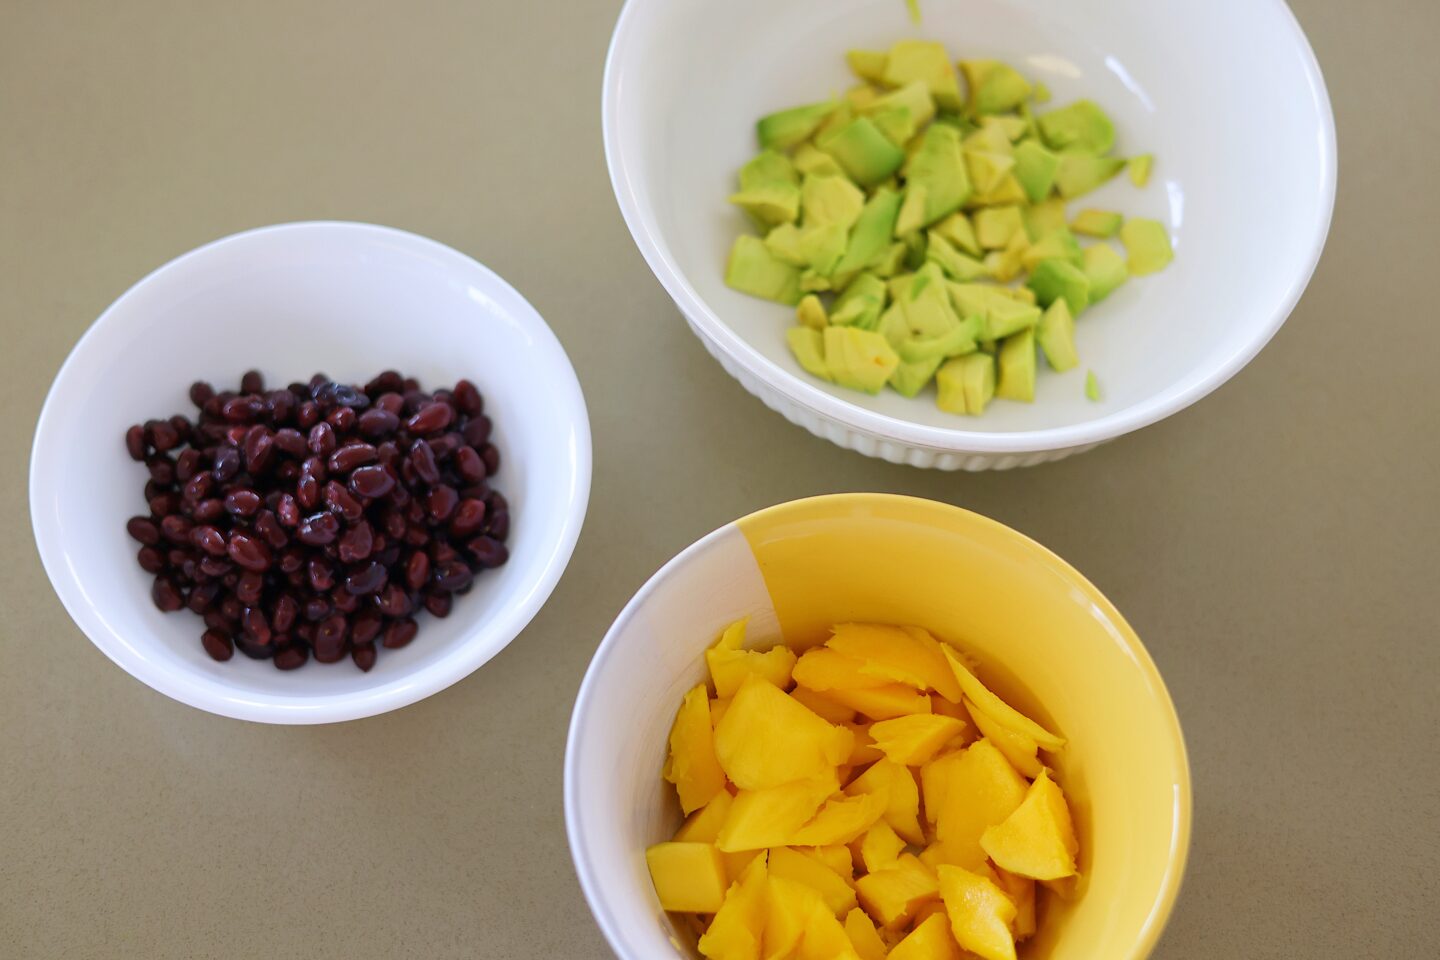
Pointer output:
x,y
349,299
1226,94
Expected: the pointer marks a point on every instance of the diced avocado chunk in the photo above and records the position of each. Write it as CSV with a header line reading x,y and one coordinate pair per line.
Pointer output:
x,y
822,245
1053,279
859,359
955,264
1097,223
808,345
990,138
987,168
811,312
1035,168
830,200
1007,191
861,303
1056,336
753,269
1092,387
910,377
812,280
1013,127
1060,244
1044,217
1017,367
1081,126
913,6
958,340
870,237
1001,90
787,128
865,153
868,64
892,261
915,246
1042,93
1005,317
958,230
810,159
861,96
896,123
914,97
924,60
892,326
912,211
938,166
1005,265
926,304
1079,173
1147,245
1140,169
994,226
767,167
1105,269
966,384
769,189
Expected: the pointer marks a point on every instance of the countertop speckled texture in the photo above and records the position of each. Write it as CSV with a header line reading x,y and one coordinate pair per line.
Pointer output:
x,y
1275,546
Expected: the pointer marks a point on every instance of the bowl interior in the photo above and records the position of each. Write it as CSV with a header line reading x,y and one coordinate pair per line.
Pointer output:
x,y
1047,640
349,300
1225,95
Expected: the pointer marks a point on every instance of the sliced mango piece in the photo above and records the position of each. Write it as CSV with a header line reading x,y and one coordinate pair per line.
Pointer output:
x,y
998,709
833,890
822,706
824,669
1019,749
894,782
1038,839
880,847
736,931
864,751
884,703
835,856
788,905
908,655
704,825
730,664
1021,891
688,877
770,817
930,940
970,793
825,938
693,766
767,738
891,896
980,913
913,740
841,820
864,938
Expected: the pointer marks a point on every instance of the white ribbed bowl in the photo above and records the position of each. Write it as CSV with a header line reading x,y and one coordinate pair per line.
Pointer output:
x,y
1226,94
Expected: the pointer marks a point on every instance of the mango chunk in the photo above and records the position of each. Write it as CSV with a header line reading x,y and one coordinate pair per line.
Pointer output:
x,y
930,940
688,877
1038,839
864,938
766,739
788,905
704,825
908,655
880,847
895,783
736,931
1019,749
730,664
974,790
827,708
789,864
1000,711
864,751
771,816
693,766
823,669
841,820
835,856
884,703
825,938
914,740
892,895
1021,891
980,913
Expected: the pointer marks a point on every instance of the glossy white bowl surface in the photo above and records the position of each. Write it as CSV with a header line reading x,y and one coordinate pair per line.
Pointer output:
x,y
1227,96
350,300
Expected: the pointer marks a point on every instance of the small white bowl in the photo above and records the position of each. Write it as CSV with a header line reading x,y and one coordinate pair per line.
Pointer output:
x,y
1227,96
350,300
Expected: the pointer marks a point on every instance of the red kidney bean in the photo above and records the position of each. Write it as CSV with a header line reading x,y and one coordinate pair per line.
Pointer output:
x,y
242,409
248,552
186,465
144,530
477,432
163,437
215,566
242,502
356,543
252,381
350,456
291,442
198,486
446,445
201,392
364,655
259,449
387,381
338,499
284,613
317,607
218,645
209,539
342,419
372,481
318,529
287,511
376,422
290,657
235,436
442,553
441,502
255,624
166,595
292,558
227,464
307,414
202,596
468,517
253,650
249,588
491,456
175,528
438,604
389,556
307,491
320,575
393,601
399,633
416,535
344,602
368,579
230,607
452,575
391,403
135,443
151,560
322,439
164,504
488,551
269,527
498,526
467,398
208,511
330,632
215,620
280,404
469,465
431,418
162,471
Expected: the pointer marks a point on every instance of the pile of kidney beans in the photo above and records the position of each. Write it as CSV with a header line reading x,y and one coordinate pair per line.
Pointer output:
x,y
321,518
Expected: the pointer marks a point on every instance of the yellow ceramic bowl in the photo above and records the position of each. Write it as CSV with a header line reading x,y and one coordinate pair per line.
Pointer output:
x,y
1047,641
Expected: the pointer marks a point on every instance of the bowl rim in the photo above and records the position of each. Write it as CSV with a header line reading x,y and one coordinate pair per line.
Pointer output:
x,y
592,884
513,614
808,396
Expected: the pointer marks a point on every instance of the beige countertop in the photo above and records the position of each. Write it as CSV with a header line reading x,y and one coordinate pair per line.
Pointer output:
x,y
1275,546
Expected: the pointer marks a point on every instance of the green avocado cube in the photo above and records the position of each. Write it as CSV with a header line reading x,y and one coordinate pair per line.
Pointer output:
x,y
994,226
769,189
956,265
896,123
830,200
870,237
1147,244
1013,127
926,304
753,269
1017,367
1059,243
987,168
912,211
1056,336
1105,269
785,242
1004,317
958,340
1053,279
1043,217
1081,126
966,384
892,261
910,377
808,346
938,165
1097,223
1035,168
813,281
809,158
865,153
914,97
859,359
787,128
924,60
1001,90
1140,169
868,64
960,233
1079,173
810,312
1042,93
989,138
861,303
1092,387
822,246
